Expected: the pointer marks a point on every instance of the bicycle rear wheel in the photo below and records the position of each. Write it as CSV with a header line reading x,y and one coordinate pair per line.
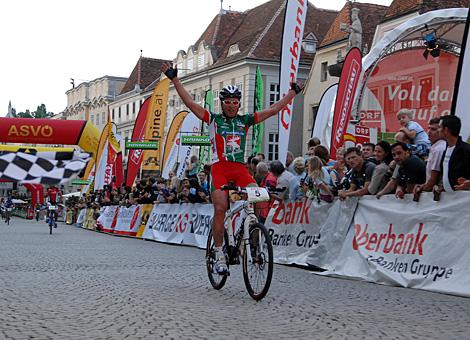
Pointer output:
x,y
258,271
217,281
51,222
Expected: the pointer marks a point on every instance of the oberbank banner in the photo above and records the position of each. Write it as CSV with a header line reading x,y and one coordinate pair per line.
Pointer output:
x,y
306,232
417,245
186,223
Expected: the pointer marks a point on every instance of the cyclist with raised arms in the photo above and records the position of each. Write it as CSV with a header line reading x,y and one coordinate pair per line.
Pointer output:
x,y
228,132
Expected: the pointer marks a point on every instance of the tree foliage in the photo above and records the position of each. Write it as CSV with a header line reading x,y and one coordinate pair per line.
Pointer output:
x,y
41,112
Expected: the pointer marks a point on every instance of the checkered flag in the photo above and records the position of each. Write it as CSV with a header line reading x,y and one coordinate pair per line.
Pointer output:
x,y
27,168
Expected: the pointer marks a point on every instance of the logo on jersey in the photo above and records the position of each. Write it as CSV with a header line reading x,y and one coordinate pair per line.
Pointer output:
x,y
234,142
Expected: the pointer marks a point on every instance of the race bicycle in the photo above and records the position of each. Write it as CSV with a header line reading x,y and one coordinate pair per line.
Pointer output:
x,y
51,211
251,243
8,215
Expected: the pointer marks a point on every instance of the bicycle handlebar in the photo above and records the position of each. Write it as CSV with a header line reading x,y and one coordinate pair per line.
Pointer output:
x,y
241,189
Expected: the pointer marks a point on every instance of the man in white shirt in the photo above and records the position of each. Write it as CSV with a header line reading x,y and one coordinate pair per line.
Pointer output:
x,y
433,164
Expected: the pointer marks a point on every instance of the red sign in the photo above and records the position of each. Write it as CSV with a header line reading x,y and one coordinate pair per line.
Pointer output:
x,y
348,81
42,131
406,80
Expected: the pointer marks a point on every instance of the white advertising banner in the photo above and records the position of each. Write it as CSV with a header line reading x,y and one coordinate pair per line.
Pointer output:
x,y
411,244
80,218
180,154
107,219
128,220
306,232
187,224
294,22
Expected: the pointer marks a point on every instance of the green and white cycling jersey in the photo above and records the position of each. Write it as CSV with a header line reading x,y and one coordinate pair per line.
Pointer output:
x,y
228,136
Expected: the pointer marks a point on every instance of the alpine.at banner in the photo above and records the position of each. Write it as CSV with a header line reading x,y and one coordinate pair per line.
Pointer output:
x,y
134,158
180,154
155,125
461,100
412,244
294,22
258,129
205,151
348,81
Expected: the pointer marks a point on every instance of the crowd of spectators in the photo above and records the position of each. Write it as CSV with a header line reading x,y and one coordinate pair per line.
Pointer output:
x,y
418,161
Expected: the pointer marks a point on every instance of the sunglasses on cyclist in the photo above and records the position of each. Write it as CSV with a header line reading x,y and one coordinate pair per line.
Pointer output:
x,y
231,102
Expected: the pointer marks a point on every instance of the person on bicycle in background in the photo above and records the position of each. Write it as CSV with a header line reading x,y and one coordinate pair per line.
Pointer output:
x,y
53,197
7,204
228,132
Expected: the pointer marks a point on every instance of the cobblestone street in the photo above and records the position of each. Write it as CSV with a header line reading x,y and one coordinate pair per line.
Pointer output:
x,y
79,284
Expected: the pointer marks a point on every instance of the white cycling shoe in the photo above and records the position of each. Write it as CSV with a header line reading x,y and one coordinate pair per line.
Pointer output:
x,y
220,265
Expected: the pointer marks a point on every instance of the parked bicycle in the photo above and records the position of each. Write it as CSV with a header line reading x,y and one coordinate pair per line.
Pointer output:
x,y
251,243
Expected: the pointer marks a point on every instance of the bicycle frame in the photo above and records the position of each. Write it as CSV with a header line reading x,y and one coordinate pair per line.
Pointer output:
x,y
249,220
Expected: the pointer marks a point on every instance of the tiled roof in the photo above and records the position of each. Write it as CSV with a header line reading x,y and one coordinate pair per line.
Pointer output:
x,y
258,32
144,73
401,7
370,16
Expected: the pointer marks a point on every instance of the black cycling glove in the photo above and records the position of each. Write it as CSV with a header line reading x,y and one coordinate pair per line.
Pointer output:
x,y
294,86
172,72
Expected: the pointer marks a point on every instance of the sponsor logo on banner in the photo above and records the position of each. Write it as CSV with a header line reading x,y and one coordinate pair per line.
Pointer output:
x,y
128,220
390,243
294,22
292,212
347,86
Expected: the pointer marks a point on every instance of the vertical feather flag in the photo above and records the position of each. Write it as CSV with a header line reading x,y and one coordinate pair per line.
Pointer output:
x,y
258,129
134,159
204,151
294,22
461,100
155,125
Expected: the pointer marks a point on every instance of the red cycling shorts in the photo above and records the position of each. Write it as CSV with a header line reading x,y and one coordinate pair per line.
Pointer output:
x,y
224,172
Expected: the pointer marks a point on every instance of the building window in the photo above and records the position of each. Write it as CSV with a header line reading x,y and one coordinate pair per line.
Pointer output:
x,y
274,90
324,71
133,108
127,110
119,113
200,60
97,119
180,67
190,63
273,146
92,118
103,118
125,141
113,113
233,49
310,46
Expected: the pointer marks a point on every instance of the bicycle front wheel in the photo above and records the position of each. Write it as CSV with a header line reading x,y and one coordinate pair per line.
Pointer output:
x,y
258,268
217,281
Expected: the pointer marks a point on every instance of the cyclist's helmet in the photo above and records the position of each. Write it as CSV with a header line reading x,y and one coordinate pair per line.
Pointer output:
x,y
230,91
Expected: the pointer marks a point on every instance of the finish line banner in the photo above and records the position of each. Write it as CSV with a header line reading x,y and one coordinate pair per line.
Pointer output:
x,y
411,244
309,233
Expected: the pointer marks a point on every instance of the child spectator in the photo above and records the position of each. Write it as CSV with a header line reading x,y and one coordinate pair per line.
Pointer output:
x,y
318,182
415,132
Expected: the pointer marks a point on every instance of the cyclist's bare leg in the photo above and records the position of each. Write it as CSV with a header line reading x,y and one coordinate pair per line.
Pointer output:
x,y
219,200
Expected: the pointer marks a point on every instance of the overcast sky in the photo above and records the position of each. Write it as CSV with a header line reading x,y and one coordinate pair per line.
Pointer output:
x,y
45,43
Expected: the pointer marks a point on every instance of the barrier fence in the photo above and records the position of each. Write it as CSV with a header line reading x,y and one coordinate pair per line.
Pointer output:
x,y
396,242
